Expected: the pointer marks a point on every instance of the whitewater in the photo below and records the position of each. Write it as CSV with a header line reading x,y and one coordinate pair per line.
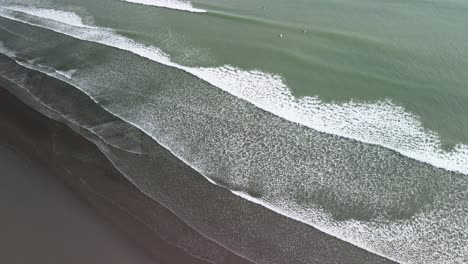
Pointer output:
x,y
170,4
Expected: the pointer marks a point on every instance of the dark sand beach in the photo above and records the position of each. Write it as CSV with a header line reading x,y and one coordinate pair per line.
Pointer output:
x,y
28,137
264,236
43,222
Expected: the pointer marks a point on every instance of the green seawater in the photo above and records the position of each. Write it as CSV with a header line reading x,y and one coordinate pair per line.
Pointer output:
x,y
411,52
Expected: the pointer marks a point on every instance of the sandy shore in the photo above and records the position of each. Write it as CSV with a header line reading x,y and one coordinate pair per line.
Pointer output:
x,y
93,179
43,222
253,231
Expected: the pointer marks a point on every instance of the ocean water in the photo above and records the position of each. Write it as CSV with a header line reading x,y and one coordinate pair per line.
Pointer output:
x,y
349,116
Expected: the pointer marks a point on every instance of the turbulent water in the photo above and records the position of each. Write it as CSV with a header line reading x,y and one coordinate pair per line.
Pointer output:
x,y
349,116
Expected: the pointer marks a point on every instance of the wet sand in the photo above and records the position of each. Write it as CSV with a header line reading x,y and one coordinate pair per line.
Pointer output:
x,y
43,222
262,235
75,166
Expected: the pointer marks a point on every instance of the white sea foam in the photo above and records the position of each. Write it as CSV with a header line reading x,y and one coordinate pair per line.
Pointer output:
x,y
67,74
383,123
56,15
64,76
322,222
6,51
171,4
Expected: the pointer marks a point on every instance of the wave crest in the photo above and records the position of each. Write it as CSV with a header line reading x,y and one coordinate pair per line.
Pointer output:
x,y
171,4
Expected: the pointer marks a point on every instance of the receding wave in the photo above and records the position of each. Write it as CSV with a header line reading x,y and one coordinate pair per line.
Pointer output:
x,y
171,4
64,76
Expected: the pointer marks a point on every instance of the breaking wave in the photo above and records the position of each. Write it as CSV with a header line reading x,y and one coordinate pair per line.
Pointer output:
x,y
171,4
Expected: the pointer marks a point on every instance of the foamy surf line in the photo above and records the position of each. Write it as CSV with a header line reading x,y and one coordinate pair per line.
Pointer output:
x,y
170,4
241,194
60,76
382,123
102,148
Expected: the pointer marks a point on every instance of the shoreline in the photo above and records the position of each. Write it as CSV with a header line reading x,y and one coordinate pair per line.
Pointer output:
x,y
88,172
37,137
